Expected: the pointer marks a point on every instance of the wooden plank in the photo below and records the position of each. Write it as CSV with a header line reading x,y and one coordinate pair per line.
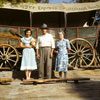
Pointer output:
x,y
4,80
56,80
5,68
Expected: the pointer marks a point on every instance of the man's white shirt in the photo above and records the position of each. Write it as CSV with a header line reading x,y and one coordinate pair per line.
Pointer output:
x,y
45,40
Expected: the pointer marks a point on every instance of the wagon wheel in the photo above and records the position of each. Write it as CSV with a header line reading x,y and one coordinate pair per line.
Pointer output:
x,y
82,53
97,56
8,56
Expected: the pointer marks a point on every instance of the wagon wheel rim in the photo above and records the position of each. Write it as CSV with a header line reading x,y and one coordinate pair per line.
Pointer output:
x,y
8,56
82,53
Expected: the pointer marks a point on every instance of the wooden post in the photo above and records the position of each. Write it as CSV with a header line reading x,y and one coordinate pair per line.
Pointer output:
x,y
65,21
30,14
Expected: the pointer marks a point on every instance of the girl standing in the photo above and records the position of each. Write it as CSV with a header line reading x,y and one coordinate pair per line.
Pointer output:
x,y
28,56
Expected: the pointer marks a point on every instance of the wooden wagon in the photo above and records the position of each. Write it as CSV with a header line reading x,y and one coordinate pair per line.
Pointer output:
x,y
84,40
84,43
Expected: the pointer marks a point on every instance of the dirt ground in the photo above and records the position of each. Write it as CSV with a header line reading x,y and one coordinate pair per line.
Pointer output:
x,y
86,90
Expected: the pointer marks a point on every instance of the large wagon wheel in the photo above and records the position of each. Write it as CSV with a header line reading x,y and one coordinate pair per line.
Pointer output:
x,y
97,56
8,56
82,53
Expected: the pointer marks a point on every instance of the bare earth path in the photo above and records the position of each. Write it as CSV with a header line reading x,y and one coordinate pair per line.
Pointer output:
x,y
87,90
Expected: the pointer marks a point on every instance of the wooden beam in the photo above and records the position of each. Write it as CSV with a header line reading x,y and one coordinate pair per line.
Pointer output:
x,y
56,80
4,80
5,68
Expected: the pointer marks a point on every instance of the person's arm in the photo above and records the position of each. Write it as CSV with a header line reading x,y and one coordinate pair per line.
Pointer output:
x,y
52,47
37,53
55,51
68,49
56,48
23,46
37,48
51,54
33,43
68,46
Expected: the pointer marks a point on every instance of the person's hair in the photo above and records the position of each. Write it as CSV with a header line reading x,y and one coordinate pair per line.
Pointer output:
x,y
27,31
61,32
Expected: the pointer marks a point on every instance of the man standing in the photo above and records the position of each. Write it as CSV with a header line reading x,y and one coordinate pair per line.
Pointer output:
x,y
44,51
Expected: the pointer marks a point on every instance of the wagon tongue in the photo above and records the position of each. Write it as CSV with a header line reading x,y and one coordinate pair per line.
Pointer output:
x,y
14,32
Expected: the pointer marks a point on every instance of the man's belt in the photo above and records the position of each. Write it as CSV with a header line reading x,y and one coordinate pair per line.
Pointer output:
x,y
46,47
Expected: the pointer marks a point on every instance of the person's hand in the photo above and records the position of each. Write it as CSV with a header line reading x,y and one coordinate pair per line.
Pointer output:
x,y
38,56
33,44
56,52
51,55
29,46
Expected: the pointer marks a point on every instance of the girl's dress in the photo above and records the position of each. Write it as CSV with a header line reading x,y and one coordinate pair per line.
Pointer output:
x,y
62,56
28,55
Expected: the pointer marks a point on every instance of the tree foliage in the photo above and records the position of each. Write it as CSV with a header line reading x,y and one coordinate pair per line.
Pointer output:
x,y
22,1
16,1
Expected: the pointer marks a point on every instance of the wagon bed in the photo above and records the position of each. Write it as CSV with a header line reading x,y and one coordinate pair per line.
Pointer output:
x,y
84,43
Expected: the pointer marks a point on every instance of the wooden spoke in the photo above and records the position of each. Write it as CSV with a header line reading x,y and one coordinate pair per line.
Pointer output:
x,y
71,53
81,45
88,54
12,60
1,53
87,50
73,46
76,63
72,61
5,62
1,64
72,57
11,52
97,56
84,47
7,50
9,64
87,58
80,61
72,50
84,61
13,56
77,45
4,50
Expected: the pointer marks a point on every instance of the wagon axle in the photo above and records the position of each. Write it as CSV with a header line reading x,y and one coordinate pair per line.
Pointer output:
x,y
78,53
5,57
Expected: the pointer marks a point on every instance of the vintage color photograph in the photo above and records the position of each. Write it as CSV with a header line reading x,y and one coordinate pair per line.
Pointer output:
x,y
49,49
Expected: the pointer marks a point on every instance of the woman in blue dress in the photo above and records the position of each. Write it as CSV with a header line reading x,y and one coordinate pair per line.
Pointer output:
x,y
28,56
62,48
